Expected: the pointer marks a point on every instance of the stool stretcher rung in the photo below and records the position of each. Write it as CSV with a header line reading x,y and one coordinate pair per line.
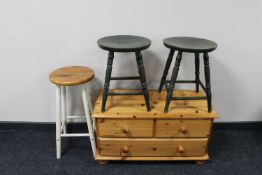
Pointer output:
x,y
75,135
186,81
62,127
183,81
124,78
189,98
73,116
125,93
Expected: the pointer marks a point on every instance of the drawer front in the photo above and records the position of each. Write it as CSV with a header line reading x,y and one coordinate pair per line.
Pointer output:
x,y
125,128
183,128
152,147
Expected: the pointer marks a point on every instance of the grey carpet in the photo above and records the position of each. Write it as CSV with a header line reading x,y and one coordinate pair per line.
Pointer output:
x,y
31,151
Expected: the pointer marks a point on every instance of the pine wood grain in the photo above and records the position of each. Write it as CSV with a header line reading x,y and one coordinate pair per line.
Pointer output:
x,y
125,127
69,76
183,128
126,147
116,158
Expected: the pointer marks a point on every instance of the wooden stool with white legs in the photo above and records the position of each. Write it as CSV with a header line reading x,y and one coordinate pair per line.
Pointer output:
x,y
65,77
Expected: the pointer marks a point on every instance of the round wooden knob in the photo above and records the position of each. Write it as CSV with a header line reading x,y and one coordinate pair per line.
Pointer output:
x,y
125,130
125,149
180,149
183,130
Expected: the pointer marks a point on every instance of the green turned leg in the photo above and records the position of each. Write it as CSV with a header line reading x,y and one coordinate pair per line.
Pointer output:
x,y
141,71
168,63
208,85
107,79
197,73
173,81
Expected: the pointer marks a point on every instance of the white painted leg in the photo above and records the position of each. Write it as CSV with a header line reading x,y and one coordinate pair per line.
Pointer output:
x,y
58,122
90,102
64,108
94,124
88,92
89,120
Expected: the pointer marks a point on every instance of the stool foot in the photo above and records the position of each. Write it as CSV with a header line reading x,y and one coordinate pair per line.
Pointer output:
x,y
102,162
58,149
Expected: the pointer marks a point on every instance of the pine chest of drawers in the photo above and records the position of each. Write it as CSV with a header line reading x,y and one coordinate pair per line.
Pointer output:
x,y
126,131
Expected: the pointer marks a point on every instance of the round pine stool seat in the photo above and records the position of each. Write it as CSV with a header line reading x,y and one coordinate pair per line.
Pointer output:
x,y
70,76
124,43
190,44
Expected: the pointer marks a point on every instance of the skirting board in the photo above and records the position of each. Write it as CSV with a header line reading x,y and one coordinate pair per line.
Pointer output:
x,y
42,126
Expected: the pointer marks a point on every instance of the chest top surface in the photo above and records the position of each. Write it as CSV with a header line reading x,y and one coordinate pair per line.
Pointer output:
x,y
119,107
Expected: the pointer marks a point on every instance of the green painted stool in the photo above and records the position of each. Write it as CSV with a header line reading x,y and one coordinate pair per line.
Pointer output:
x,y
124,43
191,45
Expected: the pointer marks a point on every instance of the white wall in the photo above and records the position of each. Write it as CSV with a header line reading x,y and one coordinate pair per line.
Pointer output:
x,y
39,36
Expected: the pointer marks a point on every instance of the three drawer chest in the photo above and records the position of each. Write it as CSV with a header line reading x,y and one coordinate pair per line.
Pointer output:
x,y
126,131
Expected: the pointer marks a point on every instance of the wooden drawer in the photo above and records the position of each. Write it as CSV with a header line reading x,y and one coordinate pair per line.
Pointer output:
x,y
183,128
152,147
125,128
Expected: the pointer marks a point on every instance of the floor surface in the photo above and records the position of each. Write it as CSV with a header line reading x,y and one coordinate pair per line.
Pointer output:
x,y
31,151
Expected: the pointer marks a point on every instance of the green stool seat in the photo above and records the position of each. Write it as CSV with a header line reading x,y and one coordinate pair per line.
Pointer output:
x,y
124,43
190,44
